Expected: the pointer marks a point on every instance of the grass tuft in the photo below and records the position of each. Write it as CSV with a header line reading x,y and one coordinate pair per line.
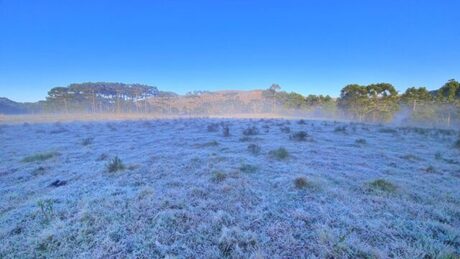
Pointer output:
x,y
457,144
39,157
301,182
361,141
115,165
299,136
226,131
247,168
279,154
383,185
218,177
87,141
46,209
254,149
251,131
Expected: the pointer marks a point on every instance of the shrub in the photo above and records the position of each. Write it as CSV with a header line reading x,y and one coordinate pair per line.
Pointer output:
x,y
301,122
361,141
247,168
301,182
213,127
218,177
87,141
254,148
115,165
430,169
285,129
457,144
299,136
39,157
383,185
280,153
340,129
226,131
251,131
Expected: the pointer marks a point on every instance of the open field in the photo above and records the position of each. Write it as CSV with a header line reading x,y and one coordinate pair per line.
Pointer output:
x,y
239,188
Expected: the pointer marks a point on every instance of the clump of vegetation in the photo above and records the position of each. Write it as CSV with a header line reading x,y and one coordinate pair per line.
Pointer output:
x,y
218,177
361,141
251,131
39,157
340,129
254,149
245,139
115,165
46,209
301,182
388,130
457,144
301,122
299,136
213,127
210,144
234,243
102,157
430,169
247,168
410,157
383,185
438,156
87,141
226,131
285,129
279,154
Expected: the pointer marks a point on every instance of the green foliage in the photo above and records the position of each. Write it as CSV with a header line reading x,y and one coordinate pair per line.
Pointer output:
x,y
39,157
383,185
115,165
100,97
373,102
279,154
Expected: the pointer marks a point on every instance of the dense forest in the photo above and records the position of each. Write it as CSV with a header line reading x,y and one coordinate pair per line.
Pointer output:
x,y
372,103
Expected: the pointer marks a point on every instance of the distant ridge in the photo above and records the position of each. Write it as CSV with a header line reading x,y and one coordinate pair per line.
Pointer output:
x,y
8,106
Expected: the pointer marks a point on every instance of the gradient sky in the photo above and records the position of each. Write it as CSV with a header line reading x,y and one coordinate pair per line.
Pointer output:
x,y
178,45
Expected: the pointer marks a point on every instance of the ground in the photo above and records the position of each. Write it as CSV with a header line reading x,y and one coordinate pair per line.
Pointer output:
x,y
186,189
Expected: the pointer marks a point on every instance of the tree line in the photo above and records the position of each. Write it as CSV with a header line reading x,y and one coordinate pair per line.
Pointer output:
x,y
371,103
100,97
378,102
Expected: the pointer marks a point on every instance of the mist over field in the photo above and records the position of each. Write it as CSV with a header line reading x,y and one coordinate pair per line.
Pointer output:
x,y
125,170
230,129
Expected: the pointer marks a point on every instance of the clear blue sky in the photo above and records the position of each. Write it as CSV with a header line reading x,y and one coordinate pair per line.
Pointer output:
x,y
179,45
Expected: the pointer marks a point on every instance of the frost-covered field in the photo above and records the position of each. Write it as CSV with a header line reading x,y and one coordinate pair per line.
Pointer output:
x,y
186,190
